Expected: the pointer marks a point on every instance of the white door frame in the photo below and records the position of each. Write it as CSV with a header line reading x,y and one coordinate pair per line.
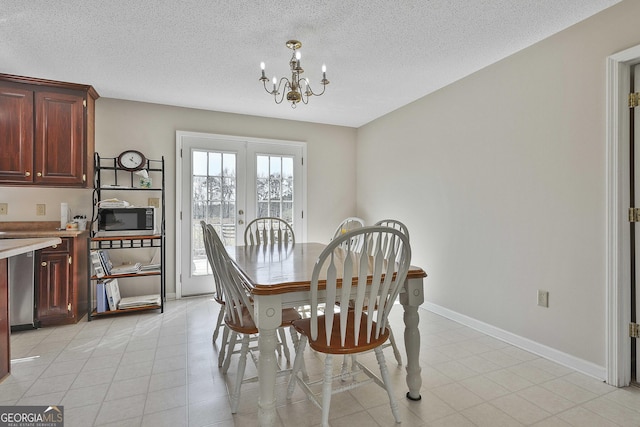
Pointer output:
x,y
178,207
618,302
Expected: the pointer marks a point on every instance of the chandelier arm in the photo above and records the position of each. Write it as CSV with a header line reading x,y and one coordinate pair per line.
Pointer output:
x,y
283,81
309,89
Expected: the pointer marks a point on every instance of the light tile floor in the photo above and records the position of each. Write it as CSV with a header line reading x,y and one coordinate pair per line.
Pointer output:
x,y
154,369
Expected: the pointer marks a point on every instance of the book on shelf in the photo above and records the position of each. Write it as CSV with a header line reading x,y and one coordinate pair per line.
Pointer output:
x,y
150,267
106,261
139,301
96,263
126,269
113,293
102,304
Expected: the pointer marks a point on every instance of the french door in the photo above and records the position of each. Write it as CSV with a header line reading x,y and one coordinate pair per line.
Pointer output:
x,y
228,181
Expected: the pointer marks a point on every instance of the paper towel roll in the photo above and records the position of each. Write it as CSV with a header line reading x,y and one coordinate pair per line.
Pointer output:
x,y
64,215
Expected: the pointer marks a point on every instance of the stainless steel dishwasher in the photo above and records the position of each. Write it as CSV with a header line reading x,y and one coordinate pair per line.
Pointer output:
x,y
21,292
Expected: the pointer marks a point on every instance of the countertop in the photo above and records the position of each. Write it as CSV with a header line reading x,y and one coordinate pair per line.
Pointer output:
x,y
33,229
11,247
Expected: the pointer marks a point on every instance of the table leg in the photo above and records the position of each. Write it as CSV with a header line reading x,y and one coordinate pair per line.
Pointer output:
x,y
268,316
411,300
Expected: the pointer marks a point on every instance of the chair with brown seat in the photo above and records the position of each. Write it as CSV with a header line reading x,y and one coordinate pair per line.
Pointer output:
x,y
239,315
262,231
343,273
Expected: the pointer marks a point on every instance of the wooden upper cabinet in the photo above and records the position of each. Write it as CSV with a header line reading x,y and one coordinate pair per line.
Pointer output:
x,y
46,132
16,135
59,147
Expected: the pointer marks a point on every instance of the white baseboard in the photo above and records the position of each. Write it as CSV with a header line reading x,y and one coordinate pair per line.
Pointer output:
x,y
564,359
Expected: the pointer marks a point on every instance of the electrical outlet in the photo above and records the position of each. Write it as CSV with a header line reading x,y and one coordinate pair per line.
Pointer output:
x,y
4,208
41,209
154,201
543,298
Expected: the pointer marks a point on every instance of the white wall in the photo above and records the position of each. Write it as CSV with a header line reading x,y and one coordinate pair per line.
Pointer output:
x,y
503,179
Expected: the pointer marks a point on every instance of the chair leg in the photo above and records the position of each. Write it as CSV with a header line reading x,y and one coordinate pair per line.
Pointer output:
x,y
283,341
326,389
384,373
396,352
296,342
230,347
298,364
345,374
219,322
223,345
242,363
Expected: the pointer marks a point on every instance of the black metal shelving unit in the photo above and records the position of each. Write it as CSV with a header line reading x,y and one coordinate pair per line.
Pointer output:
x,y
106,168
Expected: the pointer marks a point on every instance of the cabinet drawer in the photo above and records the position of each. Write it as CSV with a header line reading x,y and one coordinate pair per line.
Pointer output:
x,y
65,246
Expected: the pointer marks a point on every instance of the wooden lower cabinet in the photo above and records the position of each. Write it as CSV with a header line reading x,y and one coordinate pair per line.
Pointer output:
x,y
60,275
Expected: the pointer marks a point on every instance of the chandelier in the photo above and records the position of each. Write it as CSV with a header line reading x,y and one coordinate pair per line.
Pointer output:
x,y
297,89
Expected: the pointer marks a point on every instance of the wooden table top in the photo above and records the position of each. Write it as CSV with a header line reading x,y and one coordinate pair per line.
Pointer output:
x,y
278,269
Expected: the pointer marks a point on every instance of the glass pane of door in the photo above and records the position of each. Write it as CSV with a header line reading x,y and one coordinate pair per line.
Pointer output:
x,y
274,187
213,201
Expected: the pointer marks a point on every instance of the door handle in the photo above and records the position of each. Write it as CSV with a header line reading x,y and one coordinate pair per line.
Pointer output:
x,y
44,264
240,212
240,222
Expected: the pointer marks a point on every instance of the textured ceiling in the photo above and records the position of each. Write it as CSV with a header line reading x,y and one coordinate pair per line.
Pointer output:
x,y
380,54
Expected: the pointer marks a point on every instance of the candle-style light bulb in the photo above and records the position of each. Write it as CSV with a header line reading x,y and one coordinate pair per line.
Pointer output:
x,y
298,55
324,68
275,80
262,68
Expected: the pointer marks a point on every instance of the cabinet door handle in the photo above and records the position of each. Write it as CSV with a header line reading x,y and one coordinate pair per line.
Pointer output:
x,y
27,173
39,174
44,264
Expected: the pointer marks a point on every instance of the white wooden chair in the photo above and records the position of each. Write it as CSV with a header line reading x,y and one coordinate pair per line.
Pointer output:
x,y
368,273
348,224
266,230
239,317
207,234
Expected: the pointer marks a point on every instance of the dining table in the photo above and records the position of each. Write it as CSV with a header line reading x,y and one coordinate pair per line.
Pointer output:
x,y
279,276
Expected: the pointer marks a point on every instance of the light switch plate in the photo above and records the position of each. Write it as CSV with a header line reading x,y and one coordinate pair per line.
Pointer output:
x,y
41,209
543,298
4,208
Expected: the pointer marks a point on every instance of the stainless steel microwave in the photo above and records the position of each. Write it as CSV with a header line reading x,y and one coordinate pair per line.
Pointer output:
x,y
129,221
